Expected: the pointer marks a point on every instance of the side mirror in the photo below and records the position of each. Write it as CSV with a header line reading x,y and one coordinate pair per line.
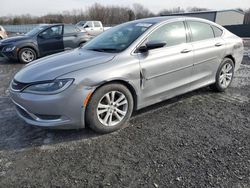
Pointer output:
x,y
155,44
151,45
142,49
86,26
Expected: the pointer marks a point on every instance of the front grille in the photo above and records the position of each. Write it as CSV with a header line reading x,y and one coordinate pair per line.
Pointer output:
x,y
18,86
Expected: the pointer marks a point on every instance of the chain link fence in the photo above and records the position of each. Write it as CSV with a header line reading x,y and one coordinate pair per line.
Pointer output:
x,y
19,29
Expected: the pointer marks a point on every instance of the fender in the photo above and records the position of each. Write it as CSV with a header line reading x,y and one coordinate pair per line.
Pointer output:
x,y
29,45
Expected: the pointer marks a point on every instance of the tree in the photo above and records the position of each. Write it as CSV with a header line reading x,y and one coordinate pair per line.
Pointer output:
x,y
171,11
140,11
196,9
16,21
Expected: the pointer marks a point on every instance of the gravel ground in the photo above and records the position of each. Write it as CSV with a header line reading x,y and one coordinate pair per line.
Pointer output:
x,y
200,139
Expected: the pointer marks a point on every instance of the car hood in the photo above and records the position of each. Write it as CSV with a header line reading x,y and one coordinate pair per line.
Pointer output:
x,y
14,39
51,67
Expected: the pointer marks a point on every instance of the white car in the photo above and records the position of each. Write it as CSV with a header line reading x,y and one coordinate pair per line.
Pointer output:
x,y
93,28
3,33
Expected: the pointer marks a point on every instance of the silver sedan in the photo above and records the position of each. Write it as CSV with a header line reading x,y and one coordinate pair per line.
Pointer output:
x,y
126,68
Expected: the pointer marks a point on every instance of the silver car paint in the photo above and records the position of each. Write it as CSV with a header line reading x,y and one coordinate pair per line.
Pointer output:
x,y
60,64
159,75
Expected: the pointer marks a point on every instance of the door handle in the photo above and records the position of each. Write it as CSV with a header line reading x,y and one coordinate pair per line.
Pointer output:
x,y
218,44
186,51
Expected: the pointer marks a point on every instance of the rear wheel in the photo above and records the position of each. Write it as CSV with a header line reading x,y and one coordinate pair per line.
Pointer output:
x,y
26,55
109,108
224,75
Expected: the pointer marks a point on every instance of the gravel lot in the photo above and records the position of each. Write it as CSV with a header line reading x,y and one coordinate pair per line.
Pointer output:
x,y
200,139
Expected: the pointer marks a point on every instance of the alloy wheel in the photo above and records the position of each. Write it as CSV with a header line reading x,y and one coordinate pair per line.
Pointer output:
x,y
226,75
112,108
27,56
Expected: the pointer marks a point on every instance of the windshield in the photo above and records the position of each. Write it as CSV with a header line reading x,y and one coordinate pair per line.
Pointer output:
x,y
118,38
81,23
35,30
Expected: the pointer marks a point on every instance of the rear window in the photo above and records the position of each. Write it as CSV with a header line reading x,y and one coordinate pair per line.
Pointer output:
x,y
81,23
217,31
200,31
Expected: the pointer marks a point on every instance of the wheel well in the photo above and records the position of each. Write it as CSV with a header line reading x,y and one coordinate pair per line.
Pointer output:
x,y
231,57
81,43
30,48
127,85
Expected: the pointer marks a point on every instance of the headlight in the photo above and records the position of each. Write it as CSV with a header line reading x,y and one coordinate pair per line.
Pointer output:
x,y
48,88
9,48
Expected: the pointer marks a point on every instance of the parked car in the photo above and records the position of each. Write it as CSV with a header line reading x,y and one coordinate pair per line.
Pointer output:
x,y
93,28
42,41
126,68
3,33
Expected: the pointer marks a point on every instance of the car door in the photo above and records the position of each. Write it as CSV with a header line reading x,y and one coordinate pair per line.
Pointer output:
x,y
166,71
89,27
209,50
98,29
50,40
70,37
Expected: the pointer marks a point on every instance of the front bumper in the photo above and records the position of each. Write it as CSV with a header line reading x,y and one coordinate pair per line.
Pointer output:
x,y
10,55
64,110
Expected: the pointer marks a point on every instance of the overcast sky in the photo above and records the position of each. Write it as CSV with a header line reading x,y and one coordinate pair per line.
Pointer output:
x,y
41,7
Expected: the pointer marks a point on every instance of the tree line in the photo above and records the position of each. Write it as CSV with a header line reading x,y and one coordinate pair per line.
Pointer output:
x,y
109,15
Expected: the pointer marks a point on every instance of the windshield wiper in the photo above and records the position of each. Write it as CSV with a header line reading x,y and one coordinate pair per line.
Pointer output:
x,y
104,49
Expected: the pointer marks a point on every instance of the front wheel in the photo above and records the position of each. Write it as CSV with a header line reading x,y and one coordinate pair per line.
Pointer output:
x,y
26,55
224,75
109,108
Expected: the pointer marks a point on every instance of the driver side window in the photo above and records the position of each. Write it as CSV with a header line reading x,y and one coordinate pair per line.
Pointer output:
x,y
172,34
88,25
52,32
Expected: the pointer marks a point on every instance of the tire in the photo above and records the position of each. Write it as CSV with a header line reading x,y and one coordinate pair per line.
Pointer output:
x,y
224,75
112,111
26,55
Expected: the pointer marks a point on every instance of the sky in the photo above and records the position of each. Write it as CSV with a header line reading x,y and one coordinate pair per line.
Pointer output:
x,y
42,7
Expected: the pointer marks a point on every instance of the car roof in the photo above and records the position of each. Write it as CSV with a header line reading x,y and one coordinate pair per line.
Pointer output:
x,y
155,20
51,25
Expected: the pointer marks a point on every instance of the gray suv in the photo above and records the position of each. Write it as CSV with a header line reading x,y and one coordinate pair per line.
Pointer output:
x,y
126,68
42,41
